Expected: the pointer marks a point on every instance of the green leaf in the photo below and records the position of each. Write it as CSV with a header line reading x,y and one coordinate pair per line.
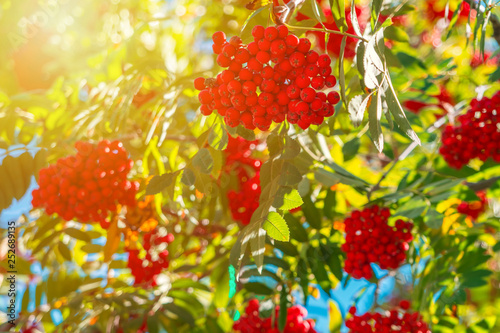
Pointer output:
x,y
338,13
357,107
258,288
276,262
158,183
246,133
188,177
218,138
376,6
153,324
77,234
441,186
256,236
292,148
413,208
434,219
303,275
188,283
282,317
312,214
297,231
275,144
374,116
354,19
316,262
329,178
259,16
360,55
276,227
287,199
373,61
341,70
351,148
64,251
496,248
398,113
290,175
203,161
495,76
403,10
330,203
253,272
202,139
332,257
180,312
396,34
91,248
317,12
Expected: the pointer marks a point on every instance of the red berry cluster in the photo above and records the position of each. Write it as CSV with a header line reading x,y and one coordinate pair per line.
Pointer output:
x,y
475,208
393,322
244,201
251,322
273,78
146,268
88,185
370,239
477,134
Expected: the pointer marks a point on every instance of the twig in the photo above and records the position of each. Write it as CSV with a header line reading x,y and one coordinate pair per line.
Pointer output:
x,y
335,32
483,184
495,22
287,12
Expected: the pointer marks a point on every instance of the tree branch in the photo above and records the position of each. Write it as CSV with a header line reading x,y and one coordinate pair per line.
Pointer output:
x,y
483,184
285,14
495,22
287,11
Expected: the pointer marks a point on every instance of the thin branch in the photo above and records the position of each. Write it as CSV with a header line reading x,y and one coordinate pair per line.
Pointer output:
x,y
287,11
483,184
335,32
495,22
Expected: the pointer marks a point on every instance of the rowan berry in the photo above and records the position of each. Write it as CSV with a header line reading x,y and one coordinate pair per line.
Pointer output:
x,y
258,32
271,33
199,83
219,38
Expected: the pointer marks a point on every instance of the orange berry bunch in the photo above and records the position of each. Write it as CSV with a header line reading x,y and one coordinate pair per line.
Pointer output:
x,y
370,239
273,78
145,268
88,185
245,200
477,134
394,322
251,322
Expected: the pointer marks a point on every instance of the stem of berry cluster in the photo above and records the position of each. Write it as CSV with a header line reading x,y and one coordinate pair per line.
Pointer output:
x,y
335,32
287,10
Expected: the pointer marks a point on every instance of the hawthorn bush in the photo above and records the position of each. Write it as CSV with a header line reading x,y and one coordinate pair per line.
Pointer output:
x,y
194,166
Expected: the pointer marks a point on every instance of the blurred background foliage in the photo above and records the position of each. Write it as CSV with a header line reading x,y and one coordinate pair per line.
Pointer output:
x,y
123,69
